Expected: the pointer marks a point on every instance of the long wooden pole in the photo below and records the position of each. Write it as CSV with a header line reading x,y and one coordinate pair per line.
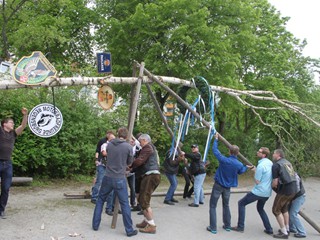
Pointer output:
x,y
132,114
157,106
186,105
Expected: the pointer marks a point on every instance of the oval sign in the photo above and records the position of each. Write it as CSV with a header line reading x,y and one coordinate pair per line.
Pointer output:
x,y
105,97
45,120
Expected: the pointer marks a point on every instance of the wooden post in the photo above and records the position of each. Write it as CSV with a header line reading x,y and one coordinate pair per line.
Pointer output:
x,y
186,105
308,220
163,118
135,92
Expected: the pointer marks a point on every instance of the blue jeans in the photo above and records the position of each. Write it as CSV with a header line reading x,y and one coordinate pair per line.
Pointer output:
x,y
119,186
6,180
294,221
218,190
131,182
261,201
100,172
198,188
173,186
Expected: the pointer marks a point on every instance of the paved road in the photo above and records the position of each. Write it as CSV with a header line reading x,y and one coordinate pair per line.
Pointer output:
x,y
63,216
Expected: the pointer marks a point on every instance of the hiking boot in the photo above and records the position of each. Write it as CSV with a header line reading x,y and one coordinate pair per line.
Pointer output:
x,y
236,229
148,229
281,235
143,224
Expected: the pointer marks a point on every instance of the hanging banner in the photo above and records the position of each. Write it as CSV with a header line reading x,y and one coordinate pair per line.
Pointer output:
x,y
33,69
104,62
45,120
105,97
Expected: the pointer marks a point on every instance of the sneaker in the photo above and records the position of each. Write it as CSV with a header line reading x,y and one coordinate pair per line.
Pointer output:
x,y
148,229
143,224
140,213
2,215
279,231
174,200
133,233
211,230
299,235
281,235
236,229
109,212
268,232
193,205
136,208
168,202
228,229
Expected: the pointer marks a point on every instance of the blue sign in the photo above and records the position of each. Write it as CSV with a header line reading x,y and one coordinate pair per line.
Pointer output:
x,y
104,62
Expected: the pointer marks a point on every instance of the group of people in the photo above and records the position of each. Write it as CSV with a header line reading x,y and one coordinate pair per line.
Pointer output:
x,y
278,175
118,162
122,161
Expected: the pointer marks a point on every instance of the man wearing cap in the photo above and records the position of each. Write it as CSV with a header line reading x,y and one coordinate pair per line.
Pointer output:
x,y
226,177
197,169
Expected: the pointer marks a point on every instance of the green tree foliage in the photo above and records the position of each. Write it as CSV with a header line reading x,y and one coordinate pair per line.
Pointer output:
x,y
69,152
241,44
232,43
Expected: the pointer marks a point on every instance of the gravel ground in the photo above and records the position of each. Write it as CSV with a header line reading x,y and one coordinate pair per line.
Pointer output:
x,y
41,213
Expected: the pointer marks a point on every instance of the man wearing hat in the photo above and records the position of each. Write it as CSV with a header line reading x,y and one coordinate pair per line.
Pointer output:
x,y
197,169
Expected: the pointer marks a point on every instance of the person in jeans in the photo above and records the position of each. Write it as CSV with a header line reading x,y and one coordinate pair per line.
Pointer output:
x,y
101,159
171,167
226,177
119,158
197,169
8,137
285,185
260,193
295,225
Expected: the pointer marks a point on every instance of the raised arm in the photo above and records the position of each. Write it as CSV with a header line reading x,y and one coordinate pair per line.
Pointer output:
x,y
24,122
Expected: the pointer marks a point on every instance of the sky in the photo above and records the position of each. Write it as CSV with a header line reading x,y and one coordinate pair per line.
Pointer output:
x,y
304,16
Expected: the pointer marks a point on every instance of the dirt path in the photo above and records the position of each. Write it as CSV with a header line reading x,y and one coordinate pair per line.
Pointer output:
x,y
35,213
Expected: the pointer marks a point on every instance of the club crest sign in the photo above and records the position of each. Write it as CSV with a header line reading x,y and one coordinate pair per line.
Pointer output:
x,y
33,69
45,120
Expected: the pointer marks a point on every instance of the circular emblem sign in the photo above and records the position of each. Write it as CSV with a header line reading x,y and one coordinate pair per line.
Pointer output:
x,y
105,97
45,120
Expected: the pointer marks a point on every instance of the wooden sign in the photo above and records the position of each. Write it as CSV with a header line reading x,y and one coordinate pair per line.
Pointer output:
x,y
105,97
33,69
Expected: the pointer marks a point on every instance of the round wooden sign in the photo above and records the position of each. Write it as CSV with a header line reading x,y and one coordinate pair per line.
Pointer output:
x,y
105,97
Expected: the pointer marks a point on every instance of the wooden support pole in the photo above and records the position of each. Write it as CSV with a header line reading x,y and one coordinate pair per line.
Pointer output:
x,y
186,105
308,220
156,104
135,93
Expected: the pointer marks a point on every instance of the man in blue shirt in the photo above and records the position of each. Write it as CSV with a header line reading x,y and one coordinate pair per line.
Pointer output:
x,y
226,177
260,193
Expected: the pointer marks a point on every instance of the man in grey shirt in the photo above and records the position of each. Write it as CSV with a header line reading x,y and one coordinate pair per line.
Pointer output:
x,y
118,159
